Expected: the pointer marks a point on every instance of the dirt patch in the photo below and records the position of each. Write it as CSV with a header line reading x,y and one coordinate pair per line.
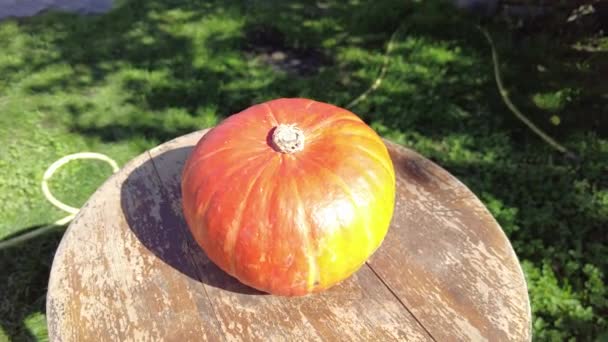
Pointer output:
x,y
268,45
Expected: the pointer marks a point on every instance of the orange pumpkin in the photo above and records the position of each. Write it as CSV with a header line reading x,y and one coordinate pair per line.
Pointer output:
x,y
290,196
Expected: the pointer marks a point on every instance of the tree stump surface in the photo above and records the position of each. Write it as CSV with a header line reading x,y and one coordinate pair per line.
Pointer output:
x,y
128,269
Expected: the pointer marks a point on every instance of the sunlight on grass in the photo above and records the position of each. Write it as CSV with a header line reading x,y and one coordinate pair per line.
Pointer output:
x,y
36,324
554,101
3,336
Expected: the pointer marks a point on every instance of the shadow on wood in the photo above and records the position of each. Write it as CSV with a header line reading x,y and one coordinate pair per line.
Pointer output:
x,y
154,213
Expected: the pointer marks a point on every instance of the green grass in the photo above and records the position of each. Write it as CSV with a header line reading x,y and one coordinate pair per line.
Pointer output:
x,y
149,71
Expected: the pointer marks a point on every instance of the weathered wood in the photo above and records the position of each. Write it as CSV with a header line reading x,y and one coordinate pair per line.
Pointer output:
x,y
106,285
448,260
128,269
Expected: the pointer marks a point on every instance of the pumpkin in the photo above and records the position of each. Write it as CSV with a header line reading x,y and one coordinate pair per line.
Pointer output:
x,y
290,196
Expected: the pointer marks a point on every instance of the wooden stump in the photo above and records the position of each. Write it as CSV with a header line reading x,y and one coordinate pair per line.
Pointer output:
x,y
128,269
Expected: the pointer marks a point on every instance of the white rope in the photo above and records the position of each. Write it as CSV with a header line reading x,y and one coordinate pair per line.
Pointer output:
x,y
62,161
72,211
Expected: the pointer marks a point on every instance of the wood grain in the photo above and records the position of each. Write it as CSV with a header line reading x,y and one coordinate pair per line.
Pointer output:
x,y
128,269
448,260
105,285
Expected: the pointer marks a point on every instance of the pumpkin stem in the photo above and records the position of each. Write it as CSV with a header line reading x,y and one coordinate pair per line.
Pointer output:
x,y
288,138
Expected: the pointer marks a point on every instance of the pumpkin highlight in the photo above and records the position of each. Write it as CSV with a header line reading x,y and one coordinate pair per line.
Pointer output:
x,y
290,196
